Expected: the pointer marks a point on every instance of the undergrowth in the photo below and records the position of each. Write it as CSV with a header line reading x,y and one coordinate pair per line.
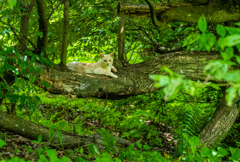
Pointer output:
x,y
147,120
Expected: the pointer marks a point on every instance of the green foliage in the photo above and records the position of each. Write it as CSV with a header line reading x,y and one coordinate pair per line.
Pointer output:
x,y
140,119
106,157
202,24
204,41
2,143
219,69
93,150
22,91
12,3
108,140
172,83
38,140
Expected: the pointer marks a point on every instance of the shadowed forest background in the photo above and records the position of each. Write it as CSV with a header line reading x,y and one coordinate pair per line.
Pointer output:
x,y
176,97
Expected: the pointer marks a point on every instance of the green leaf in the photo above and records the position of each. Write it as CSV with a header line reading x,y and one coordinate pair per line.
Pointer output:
x,y
202,24
232,76
2,143
81,150
42,158
107,31
139,145
40,34
146,147
28,88
23,84
39,70
51,131
205,152
64,159
12,3
221,30
230,41
206,41
163,81
228,54
52,154
238,47
217,68
118,160
96,150
232,30
222,152
155,77
231,94
84,13
238,23
46,84
90,148
40,151
39,138
194,142
191,39
233,150
59,133
164,68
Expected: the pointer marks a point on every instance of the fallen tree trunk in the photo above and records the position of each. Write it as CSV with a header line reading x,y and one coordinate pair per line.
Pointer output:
x,y
132,80
184,12
30,130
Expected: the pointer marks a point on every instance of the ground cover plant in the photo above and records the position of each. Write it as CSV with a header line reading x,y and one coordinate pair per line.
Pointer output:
x,y
164,105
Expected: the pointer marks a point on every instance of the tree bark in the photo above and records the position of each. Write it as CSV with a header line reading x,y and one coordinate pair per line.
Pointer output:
x,y
24,26
65,33
43,27
184,12
221,122
30,130
153,14
132,80
121,39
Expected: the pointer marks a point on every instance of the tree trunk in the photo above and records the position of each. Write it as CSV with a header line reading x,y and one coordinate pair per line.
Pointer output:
x,y
43,27
183,12
24,26
30,130
65,33
121,39
132,80
221,122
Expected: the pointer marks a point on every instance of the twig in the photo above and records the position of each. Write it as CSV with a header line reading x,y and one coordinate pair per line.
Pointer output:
x,y
54,10
187,98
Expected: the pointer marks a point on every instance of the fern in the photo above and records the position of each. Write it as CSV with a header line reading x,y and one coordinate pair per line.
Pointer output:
x,y
191,125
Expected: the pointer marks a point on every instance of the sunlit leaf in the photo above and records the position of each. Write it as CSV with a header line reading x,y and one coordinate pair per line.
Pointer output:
x,y
205,152
202,24
230,41
59,133
2,143
231,94
12,3
221,30
222,152
228,54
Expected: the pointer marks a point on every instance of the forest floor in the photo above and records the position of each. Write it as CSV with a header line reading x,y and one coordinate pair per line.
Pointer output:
x,y
18,146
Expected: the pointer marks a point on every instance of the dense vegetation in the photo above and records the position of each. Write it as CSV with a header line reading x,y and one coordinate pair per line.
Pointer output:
x,y
160,126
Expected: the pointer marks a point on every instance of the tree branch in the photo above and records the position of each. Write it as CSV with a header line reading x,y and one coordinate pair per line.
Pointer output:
x,y
153,15
54,9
